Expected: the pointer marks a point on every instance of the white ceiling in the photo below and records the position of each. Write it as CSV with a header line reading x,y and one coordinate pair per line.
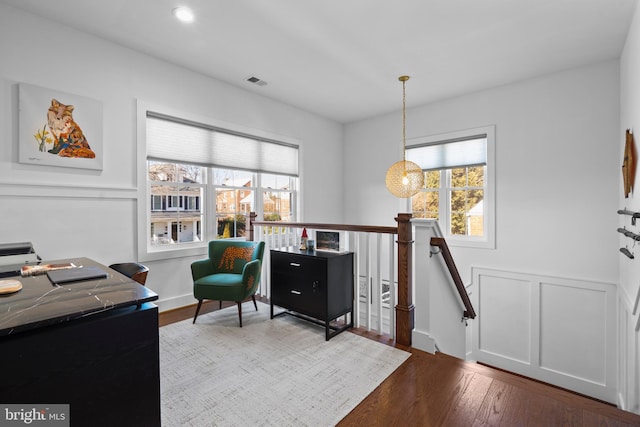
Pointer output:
x,y
342,58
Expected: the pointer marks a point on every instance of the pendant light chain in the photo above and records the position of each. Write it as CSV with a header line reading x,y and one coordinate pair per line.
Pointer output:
x,y
404,117
404,79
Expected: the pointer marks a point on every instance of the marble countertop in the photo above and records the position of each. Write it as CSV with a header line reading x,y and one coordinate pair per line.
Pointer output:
x,y
41,303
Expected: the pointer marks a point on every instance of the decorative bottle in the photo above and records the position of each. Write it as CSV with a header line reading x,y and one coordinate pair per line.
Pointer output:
x,y
303,240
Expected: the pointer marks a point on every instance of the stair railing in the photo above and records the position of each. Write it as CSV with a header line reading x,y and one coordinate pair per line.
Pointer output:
x,y
441,243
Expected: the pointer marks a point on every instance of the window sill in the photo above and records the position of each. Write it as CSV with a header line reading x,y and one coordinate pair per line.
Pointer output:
x,y
173,251
470,243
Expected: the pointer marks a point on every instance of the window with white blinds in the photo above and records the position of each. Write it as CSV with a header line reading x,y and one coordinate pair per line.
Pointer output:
x,y
203,180
467,151
459,189
183,141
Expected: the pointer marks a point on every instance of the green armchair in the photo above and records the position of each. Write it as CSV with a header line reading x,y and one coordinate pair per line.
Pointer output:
x,y
231,273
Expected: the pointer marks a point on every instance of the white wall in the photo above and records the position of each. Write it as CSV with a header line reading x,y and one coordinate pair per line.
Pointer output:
x,y
629,313
557,184
439,311
75,212
557,170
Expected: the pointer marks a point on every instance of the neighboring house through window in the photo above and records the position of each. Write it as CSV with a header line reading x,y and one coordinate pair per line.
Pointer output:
x,y
203,181
459,184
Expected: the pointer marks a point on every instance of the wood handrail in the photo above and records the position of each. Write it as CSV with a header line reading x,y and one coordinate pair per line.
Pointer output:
x,y
453,270
338,227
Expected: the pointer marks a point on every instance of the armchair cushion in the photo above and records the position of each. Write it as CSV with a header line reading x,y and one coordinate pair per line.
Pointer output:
x,y
220,286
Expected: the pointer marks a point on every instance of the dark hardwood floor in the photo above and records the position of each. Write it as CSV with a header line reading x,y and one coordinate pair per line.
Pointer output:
x,y
440,390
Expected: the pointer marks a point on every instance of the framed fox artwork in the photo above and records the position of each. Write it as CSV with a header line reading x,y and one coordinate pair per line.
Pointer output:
x,y
59,129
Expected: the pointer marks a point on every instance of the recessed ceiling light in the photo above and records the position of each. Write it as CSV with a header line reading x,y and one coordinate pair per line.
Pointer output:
x,y
184,14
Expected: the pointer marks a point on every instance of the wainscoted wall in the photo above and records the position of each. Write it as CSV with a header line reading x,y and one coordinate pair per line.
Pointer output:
x,y
629,355
558,330
66,222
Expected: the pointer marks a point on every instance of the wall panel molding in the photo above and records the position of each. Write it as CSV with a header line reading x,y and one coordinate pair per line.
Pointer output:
x,y
80,191
554,329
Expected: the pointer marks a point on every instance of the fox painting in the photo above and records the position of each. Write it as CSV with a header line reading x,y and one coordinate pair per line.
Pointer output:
x,y
69,141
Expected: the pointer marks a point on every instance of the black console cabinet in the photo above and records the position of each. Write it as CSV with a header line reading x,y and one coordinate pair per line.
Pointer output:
x,y
316,285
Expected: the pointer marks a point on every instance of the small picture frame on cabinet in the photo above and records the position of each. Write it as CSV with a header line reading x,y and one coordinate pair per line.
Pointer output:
x,y
329,241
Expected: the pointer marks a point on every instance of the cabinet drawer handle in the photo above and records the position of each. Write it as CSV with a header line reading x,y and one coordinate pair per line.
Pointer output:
x,y
296,292
294,264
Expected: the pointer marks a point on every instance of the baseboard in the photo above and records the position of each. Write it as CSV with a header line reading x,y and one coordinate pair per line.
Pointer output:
x,y
423,341
175,302
620,402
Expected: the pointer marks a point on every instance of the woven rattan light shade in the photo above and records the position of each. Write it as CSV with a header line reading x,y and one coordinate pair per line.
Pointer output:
x,y
404,178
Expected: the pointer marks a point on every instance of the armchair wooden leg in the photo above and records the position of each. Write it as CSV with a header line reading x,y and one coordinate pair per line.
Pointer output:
x,y
197,310
240,312
220,307
253,297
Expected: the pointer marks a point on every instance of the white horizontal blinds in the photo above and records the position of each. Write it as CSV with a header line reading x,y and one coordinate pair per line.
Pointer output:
x,y
471,151
176,140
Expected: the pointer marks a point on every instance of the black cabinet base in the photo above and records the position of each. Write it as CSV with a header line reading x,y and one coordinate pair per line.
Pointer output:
x,y
330,330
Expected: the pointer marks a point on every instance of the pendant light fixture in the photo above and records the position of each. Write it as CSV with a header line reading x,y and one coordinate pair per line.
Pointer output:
x,y
404,178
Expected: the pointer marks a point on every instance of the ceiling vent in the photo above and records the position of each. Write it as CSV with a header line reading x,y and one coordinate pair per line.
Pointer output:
x,y
257,81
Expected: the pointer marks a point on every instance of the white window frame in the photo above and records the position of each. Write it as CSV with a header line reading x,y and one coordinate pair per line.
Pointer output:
x,y
161,252
154,205
487,241
173,203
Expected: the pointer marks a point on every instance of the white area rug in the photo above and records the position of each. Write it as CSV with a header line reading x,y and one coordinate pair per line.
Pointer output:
x,y
278,372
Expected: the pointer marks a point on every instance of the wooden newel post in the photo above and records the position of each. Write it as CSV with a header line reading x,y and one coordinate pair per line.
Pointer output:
x,y
252,218
404,308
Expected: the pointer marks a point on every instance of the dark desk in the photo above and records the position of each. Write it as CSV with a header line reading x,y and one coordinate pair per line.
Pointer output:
x,y
93,345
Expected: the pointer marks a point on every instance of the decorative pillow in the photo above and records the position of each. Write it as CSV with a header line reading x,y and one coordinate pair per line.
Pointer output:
x,y
233,253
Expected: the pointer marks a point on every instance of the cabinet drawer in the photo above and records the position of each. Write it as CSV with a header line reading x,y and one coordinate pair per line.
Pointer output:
x,y
298,266
304,295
